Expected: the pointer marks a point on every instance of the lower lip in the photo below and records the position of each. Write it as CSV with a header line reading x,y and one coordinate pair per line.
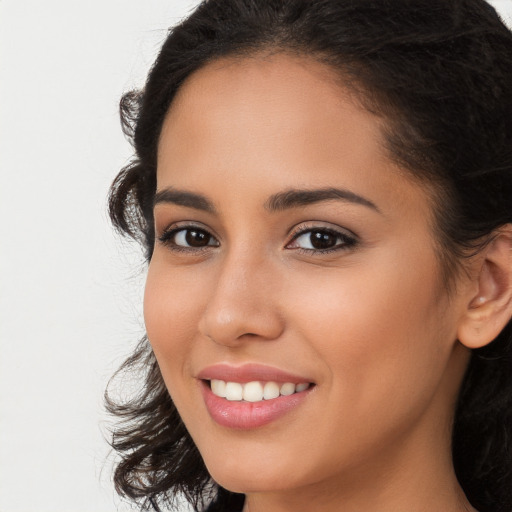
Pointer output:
x,y
248,415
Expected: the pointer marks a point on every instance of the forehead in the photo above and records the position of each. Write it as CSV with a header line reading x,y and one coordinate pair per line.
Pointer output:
x,y
281,121
275,79
277,106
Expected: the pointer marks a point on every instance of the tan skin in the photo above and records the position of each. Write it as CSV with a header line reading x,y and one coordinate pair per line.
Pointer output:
x,y
369,320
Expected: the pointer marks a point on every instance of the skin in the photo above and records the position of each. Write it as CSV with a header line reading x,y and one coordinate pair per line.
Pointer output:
x,y
370,323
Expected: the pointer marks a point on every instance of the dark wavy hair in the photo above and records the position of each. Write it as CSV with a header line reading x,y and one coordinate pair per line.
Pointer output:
x,y
439,74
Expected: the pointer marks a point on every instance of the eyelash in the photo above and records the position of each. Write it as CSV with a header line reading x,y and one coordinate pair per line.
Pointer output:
x,y
344,241
348,241
167,238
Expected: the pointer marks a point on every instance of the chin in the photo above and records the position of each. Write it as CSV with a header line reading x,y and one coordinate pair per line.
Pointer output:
x,y
250,482
242,473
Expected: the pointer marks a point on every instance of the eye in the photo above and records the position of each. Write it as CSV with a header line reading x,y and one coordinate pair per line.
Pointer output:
x,y
321,240
188,238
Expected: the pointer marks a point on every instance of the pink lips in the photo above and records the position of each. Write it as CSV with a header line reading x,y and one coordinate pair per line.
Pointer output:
x,y
249,415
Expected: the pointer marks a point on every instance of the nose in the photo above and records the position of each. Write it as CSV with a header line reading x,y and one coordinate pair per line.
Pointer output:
x,y
242,305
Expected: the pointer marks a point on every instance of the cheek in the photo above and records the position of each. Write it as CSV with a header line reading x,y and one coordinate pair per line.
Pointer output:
x,y
376,324
172,305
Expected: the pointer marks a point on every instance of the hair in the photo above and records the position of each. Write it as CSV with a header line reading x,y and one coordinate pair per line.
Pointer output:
x,y
439,74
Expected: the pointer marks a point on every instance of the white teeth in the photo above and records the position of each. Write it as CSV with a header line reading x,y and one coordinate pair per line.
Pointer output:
x,y
234,391
287,389
254,391
271,390
218,387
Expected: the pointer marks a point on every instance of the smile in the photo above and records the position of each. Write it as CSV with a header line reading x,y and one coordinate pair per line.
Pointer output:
x,y
255,391
252,395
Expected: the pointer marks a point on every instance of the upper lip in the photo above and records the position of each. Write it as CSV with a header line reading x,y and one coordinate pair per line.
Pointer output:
x,y
248,373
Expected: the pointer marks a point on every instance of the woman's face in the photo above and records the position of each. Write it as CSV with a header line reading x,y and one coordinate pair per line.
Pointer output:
x,y
290,250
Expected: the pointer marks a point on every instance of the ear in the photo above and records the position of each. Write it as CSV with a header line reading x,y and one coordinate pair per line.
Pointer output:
x,y
490,306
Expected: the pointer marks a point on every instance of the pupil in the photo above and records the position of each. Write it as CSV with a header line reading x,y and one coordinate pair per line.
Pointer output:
x,y
322,240
197,238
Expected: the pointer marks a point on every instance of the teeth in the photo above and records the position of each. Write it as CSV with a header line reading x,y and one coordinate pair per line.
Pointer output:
x,y
271,390
234,391
218,387
287,389
254,391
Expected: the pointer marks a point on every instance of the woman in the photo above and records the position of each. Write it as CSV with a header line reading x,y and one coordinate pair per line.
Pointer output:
x,y
323,190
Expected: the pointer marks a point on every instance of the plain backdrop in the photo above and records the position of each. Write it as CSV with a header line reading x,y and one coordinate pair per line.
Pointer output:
x,y
70,290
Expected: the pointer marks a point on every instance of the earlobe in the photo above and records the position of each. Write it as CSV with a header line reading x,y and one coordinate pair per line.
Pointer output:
x,y
490,307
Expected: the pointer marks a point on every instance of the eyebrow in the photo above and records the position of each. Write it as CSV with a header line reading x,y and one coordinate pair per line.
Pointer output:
x,y
294,198
184,198
288,199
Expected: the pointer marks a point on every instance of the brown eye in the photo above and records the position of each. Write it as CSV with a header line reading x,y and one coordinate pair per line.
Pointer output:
x,y
196,237
189,238
322,240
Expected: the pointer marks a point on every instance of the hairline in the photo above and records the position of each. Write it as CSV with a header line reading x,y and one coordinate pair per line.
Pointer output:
x,y
343,76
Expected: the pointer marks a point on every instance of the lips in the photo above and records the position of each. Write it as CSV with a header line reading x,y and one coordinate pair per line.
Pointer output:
x,y
252,395
248,373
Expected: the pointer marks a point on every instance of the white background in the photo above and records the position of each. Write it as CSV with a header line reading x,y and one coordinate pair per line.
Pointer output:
x,y
70,291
